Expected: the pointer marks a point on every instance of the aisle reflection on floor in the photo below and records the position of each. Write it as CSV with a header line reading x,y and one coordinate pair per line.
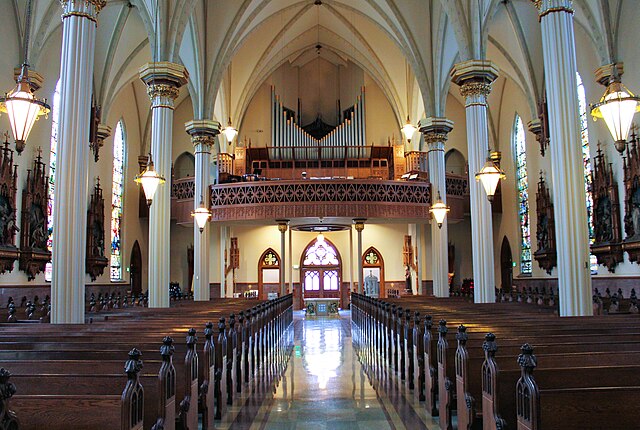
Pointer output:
x,y
325,387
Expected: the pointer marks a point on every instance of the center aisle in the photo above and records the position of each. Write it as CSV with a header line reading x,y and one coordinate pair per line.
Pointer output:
x,y
325,387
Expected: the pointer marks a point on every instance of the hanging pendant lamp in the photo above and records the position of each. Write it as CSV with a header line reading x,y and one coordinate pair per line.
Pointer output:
x,y
20,104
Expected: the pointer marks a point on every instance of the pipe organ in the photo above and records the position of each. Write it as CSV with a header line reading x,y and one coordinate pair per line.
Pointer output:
x,y
289,141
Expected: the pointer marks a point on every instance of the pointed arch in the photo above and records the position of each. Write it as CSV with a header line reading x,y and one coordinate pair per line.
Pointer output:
x,y
506,266
373,265
269,266
117,199
519,145
321,271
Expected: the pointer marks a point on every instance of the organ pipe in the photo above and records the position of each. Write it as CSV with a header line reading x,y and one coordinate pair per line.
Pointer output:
x,y
290,141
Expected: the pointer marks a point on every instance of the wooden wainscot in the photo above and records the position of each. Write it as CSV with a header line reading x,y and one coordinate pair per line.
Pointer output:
x,y
606,215
546,255
34,254
631,166
96,260
8,190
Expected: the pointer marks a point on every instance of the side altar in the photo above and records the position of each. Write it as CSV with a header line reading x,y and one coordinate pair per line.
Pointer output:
x,y
321,306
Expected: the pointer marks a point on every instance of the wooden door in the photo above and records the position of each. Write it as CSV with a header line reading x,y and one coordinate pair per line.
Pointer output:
x,y
506,265
321,271
135,269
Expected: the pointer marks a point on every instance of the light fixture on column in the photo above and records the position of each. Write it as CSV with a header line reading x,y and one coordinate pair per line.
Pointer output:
x,y
202,215
490,174
617,107
408,130
230,132
22,107
439,210
149,179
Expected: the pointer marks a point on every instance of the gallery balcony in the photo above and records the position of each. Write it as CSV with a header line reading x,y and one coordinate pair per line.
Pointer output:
x,y
374,199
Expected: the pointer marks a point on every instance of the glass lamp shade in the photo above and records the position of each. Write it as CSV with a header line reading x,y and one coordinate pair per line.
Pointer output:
x,y
617,107
149,179
201,215
439,211
408,130
23,110
230,132
490,175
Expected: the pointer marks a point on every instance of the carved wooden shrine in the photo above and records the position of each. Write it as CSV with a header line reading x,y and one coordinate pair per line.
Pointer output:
x,y
95,142
34,254
631,166
8,190
543,115
96,260
546,255
606,214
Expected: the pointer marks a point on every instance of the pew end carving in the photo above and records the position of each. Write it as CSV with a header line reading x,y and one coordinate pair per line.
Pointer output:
x,y
133,394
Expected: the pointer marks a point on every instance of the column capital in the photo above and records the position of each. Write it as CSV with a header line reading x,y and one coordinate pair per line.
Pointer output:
x,y
604,73
82,8
283,225
202,131
359,224
546,7
435,131
474,77
163,80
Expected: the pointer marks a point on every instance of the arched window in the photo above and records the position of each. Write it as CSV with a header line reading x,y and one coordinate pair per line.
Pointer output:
x,y
117,192
586,160
53,149
520,150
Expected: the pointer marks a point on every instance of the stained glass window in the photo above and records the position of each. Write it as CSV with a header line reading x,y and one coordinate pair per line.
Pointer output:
x,y
586,160
519,143
270,259
116,202
321,253
53,148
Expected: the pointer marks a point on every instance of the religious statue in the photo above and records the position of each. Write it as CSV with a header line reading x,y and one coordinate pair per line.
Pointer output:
x,y
372,285
407,279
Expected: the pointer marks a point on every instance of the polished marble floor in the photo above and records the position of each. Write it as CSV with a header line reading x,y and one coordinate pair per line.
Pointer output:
x,y
324,386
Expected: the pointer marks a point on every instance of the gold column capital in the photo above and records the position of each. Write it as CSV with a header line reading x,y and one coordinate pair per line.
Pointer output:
x,y
283,225
82,8
358,223
163,80
435,129
474,77
202,131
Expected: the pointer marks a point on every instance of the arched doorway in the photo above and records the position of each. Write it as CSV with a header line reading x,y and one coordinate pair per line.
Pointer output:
x,y
135,269
506,265
373,266
268,274
321,271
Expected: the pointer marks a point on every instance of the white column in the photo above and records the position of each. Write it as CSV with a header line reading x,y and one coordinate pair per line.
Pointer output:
x,y
572,233
435,131
359,226
475,78
290,265
79,22
419,257
224,234
163,81
203,133
283,225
